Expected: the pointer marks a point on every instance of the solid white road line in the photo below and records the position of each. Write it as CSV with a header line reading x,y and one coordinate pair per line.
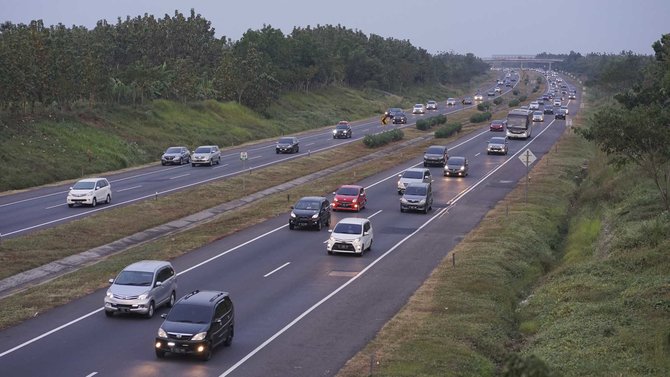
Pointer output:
x,y
276,269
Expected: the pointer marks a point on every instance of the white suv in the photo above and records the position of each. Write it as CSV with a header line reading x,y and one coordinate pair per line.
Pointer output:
x,y
89,191
413,175
350,235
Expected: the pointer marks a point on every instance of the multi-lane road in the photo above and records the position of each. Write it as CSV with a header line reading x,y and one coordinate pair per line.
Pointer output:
x,y
299,311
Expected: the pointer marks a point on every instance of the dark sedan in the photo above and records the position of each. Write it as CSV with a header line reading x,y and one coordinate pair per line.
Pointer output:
x,y
342,130
288,145
559,114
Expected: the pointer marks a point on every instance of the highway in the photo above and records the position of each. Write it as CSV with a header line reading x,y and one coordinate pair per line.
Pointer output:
x,y
299,311
44,207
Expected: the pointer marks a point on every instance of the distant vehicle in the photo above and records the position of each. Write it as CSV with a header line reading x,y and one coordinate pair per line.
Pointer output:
x,y
141,288
467,101
572,96
413,175
89,191
457,166
176,155
478,97
288,144
310,211
497,145
206,155
491,93
560,114
197,323
431,105
538,116
519,124
497,89
534,106
351,235
435,155
557,102
419,108
342,130
549,110
498,125
508,84
451,101
565,107
349,198
417,197
399,118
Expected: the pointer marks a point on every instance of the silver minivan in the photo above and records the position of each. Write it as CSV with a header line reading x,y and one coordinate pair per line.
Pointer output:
x,y
141,288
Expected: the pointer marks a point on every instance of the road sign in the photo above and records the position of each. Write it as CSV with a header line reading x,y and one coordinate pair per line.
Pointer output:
x,y
527,157
243,156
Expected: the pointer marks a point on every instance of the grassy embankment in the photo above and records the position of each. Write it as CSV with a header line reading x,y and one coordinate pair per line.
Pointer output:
x,y
22,253
584,291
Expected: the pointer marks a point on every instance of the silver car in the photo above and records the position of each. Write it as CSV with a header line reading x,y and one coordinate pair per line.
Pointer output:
x,y
206,155
141,288
413,175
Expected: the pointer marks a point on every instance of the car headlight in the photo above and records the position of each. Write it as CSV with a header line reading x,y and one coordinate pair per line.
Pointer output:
x,y
336,200
422,201
355,200
110,294
199,336
315,216
161,333
462,168
292,215
143,296
403,200
334,131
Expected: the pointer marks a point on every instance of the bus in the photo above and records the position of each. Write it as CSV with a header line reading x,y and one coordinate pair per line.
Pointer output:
x,y
519,124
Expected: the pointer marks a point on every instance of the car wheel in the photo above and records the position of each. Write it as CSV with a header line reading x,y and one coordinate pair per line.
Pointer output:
x,y
94,202
208,353
291,226
109,313
192,164
173,298
425,210
330,252
425,165
108,199
370,246
229,339
297,149
150,312
277,151
163,163
402,209
319,225
160,354
218,161
211,162
359,254
70,205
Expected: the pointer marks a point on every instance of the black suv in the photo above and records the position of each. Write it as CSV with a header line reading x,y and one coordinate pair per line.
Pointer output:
x,y
397,115
343,129
310,211
197,323
288,145
435,155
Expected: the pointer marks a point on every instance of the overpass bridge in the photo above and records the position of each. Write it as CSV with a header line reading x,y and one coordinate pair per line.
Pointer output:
x,y
520,60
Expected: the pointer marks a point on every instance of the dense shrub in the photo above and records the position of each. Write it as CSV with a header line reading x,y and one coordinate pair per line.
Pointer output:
x,y
484,106
380,139
498,100
481,117
513,103
515,92
428,123
523,98
448,130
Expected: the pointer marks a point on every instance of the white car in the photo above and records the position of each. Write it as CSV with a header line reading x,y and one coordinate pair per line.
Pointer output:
x,y
419,108
565,107
479,97
90,191
350,235
206,155
431,105
534,105
413,175
538,116
451,101
557,102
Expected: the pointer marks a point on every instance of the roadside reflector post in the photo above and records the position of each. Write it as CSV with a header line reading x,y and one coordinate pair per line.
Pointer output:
x,y
288,198
453,259
156,197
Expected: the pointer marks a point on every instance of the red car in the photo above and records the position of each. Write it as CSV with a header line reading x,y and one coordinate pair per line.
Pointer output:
x,y
498,125
349,198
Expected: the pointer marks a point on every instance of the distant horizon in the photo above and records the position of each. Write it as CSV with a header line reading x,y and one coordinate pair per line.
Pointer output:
x,y
483,28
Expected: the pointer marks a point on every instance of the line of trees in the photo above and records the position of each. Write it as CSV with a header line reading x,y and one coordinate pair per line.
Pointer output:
x,y
180,58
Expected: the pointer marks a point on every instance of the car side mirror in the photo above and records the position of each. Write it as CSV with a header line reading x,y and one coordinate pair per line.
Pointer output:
x,y
164,315
111,281
159,283
70,187
292,207
334,193
330,231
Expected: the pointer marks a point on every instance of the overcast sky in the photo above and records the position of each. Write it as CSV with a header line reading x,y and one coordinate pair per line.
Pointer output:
x,y
483,27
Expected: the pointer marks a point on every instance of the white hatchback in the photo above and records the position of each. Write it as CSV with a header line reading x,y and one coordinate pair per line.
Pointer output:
x,y
90,191
350,235
419,108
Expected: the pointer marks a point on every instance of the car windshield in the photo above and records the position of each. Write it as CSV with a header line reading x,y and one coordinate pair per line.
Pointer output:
x,y
415,190
346,228
203,150
190,313
455,161
412,174
84,185
173,150
286,140
418,106
308,204
434,150
395,110
497,140
136,278
342,126
347,191
537,113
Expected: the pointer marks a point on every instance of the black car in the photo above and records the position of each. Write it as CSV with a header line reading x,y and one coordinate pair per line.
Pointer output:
x,y
310,211
559,114
196,324
435,155
176,155
456,166
548,110
467,101
342,130
288,145
397,115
